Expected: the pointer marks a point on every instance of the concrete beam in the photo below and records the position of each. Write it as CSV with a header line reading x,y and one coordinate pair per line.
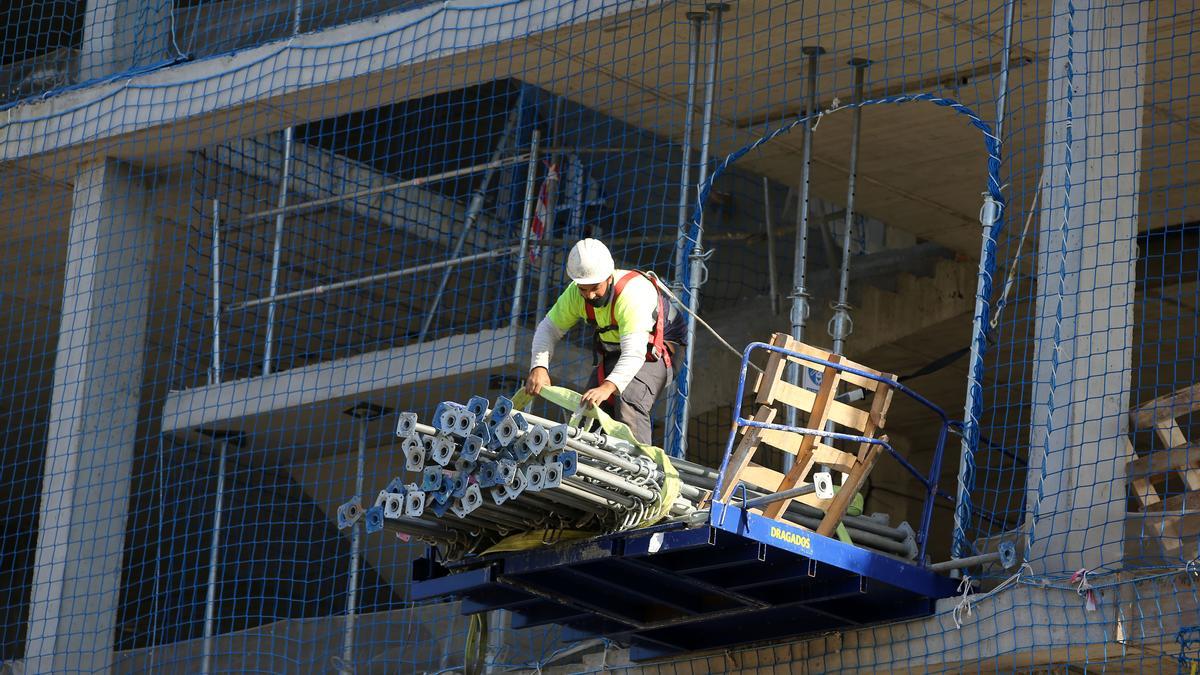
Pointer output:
x,y
425,638
321,174
1087,253
1022,627
122,34
93,423
303,407
313,76
366,374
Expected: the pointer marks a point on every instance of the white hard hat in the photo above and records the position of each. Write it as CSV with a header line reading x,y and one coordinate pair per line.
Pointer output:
x,y
589,262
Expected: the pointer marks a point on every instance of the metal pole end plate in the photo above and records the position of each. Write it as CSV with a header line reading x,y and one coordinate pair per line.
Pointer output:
x,y
859,62
813,50
696,16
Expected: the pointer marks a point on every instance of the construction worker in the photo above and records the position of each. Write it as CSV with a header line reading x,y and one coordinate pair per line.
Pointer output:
x,y
637,332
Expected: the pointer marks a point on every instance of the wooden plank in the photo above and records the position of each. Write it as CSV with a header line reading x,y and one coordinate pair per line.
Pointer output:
x,y
803,399
1167,407
1170,434
1164,461
772,375
1145,492
1188,501
850,487
832,457
1182,526
790,443
804,455
745,450
762,477
876,419
856,380
1143,489
1192,478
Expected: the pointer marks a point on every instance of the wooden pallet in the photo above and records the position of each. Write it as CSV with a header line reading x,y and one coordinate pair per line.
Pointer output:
x,y
773,393
1166,482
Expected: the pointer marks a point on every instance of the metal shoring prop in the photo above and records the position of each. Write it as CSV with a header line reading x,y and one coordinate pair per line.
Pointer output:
x,y
214,559
767,222
475,208
214,377
277,247
989,216
585,497
600,447
840,325
547,256
360,421
526,221
799,295
697,256
603,485
695,30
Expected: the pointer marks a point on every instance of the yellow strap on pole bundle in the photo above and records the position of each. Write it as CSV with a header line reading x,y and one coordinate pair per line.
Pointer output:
x,y
570,401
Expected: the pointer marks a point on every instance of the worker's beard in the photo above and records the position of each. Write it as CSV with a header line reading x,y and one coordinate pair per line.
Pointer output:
x,y
602,300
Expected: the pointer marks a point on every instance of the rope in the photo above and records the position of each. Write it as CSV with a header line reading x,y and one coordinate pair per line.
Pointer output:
x,y
1010,279
968,599
679,303
964,602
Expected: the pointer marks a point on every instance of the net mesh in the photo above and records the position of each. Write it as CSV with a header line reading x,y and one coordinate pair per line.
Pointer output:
x,y
241,237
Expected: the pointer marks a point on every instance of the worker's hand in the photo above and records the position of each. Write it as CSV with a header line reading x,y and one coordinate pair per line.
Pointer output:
x,y
594,397
538,377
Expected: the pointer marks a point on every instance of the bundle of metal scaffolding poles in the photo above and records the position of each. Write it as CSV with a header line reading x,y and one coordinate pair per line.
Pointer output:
x,y
705,478
864,531
480,472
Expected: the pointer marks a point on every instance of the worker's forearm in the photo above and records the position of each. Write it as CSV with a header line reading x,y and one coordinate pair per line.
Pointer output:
x,y
545,338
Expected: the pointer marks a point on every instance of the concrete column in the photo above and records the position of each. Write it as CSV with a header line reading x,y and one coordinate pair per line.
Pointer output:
x,y
93,422
1087,250
123,34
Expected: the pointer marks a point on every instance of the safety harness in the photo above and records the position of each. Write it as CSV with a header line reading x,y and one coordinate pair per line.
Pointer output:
x,y
657,348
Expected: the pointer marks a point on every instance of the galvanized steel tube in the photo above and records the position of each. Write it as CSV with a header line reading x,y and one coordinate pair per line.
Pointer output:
x,y
840,326
696,263
526,222
277,247
799,295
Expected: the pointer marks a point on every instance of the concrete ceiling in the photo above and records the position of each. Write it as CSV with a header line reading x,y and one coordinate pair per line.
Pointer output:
x,y
922,166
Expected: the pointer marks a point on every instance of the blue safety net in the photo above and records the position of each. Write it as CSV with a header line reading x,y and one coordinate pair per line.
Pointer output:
x,y
241,239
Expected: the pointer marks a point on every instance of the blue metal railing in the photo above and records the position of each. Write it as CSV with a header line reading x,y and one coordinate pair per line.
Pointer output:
x,y
930,481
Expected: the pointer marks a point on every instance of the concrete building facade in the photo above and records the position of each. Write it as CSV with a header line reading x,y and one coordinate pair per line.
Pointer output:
x,y
232,227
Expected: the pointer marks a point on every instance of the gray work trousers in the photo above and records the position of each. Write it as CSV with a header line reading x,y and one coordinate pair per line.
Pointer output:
x,y
633,405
